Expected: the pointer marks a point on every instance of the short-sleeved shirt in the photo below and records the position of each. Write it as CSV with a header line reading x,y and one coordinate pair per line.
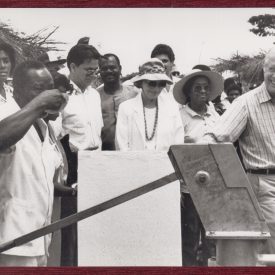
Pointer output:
x,y
196,125
26,187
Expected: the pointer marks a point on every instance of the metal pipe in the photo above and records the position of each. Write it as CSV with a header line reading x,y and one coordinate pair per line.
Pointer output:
x,y
237,252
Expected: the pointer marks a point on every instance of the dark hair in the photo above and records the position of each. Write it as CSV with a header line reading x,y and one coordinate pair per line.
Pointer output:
x,y
9,50
79,53
233,86
84,40
163,49
21,77
108,55
202,67
228,82
188,85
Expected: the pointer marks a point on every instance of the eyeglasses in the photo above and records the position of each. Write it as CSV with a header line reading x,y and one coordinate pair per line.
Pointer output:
x,y
92,71
154,84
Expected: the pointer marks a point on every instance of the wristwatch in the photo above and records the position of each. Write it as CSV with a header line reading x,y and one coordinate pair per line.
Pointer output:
x,y
74,191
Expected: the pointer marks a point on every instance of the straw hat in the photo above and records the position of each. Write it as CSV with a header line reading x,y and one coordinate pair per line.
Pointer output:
x,y
216,84
152,70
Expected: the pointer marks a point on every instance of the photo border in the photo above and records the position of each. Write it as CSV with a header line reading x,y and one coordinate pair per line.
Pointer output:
x,y
138,4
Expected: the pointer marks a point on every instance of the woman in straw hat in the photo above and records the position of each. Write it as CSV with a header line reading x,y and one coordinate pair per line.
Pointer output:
x,y
194,91
149,122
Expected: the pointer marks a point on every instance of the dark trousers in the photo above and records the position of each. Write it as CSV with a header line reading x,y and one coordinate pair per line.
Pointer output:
x,y
196,249
69,207
68,233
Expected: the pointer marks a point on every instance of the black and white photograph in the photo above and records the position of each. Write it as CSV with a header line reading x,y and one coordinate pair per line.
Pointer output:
x,y
137,137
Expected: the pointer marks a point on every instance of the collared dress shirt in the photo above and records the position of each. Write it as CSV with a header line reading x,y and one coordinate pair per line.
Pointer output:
x,y
251,119
26,187
82,119
196,125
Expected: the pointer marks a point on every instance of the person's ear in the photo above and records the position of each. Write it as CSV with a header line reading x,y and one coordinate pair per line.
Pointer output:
x,y
120,69
138,84
72,67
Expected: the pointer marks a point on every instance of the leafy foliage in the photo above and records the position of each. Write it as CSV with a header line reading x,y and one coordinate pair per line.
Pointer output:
x,y
29,46
248,68
264,24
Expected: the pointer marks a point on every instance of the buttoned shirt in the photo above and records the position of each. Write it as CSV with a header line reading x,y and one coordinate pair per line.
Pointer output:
x,y
82,118
251,119
196,125
226,103
26,187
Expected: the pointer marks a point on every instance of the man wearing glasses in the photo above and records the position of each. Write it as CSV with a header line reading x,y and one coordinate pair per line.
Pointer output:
x,y
82,118
81,130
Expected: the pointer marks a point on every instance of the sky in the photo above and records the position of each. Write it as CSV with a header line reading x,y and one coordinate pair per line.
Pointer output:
x,y
197,35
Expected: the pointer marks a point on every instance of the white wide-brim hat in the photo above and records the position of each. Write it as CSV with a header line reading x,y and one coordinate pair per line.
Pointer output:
x,y
152,70
215,79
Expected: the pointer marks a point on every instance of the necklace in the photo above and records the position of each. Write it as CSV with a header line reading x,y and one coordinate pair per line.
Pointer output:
x,y
155,124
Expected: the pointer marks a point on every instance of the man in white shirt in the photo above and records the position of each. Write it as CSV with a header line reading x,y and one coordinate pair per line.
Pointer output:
x,y
82,118
81,128
251,120
27,163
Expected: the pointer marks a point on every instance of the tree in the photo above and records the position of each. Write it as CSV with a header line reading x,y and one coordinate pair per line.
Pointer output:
x,y
248,68
29,46
264,25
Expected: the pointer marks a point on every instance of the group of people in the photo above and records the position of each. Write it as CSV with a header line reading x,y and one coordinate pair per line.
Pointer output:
x,y
46,118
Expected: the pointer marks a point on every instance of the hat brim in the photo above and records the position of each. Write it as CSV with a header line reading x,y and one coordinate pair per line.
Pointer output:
x,y
152,77
58,62
216,85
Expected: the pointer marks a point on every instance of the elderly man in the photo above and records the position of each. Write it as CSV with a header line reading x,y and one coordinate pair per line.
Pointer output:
x,y
28,162
112,93
251,119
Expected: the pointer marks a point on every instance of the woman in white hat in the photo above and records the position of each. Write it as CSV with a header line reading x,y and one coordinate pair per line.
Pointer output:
x,y
149,122
194,91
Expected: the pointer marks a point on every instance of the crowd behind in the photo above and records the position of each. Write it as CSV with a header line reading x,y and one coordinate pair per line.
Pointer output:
x,y
48,114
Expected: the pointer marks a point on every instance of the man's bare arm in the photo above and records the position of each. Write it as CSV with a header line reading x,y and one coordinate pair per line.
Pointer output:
x,y
14,127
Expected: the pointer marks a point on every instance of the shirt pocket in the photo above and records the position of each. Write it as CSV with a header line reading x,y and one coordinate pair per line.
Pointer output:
x,y
18,217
